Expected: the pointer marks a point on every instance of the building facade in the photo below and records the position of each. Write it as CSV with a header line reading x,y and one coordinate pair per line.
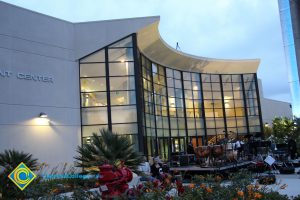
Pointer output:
x,y
290,24
118,75
161,107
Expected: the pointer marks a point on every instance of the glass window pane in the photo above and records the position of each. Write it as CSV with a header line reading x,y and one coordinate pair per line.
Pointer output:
x,y
93,84
209,113
121,54
178,84
190,123
240,112
187,85
248,77
196,94
196,86
195,77
169,72
189,103
239,103
127,42
207,95
125,128
219,122
93,99
238,94
122,83
199,123
89,130
231,122
215,78
186,76
122,97
227,86
173,122
217,95
219,113
170,82
242,130
230,112
91,70
241,121
121,69
180,112
237,86
216,87
178,93
211,131
123,114
210,123
206,86
189,113
205,78
188,94
181,123
177,74
226,78
94,115
161,70
95,57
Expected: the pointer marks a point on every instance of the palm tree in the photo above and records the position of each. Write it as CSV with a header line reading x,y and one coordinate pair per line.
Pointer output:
x,y
9,160
108,148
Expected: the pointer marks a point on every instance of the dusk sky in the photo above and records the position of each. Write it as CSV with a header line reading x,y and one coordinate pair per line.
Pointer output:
x,y
230,29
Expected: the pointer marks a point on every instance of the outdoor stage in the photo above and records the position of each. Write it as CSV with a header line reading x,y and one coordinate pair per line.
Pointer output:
x,y
211,169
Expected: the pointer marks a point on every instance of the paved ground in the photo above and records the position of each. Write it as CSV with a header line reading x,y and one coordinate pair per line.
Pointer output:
x,y
292,181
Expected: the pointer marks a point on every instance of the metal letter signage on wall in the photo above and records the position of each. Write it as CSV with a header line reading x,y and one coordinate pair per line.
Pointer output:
x,y
26,76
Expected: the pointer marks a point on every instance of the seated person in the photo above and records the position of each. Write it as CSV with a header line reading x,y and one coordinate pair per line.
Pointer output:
x,y
145,170
156,168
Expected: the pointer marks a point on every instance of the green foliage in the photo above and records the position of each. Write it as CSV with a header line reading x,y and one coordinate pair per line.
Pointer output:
x,y
108,148
268,131
9,160
284,127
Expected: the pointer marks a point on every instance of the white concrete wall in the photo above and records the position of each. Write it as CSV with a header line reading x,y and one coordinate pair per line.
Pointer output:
x,y
37,44
272,108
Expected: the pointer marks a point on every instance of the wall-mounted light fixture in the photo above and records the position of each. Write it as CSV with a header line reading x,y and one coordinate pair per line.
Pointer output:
x,y
43,115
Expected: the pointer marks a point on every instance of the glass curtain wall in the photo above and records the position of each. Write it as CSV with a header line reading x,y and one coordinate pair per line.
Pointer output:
x,y
253,110
202,108
108,98
177,107
234,105
213,107
93,94
193,107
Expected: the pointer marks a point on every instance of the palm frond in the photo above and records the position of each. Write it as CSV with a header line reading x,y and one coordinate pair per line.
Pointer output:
x,y
109,147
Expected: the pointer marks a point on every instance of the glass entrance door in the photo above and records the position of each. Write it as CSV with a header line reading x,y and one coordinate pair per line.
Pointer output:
x,y
178,144
163,148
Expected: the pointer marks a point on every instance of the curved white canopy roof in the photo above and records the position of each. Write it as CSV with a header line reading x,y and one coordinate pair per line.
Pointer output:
x,y
152,46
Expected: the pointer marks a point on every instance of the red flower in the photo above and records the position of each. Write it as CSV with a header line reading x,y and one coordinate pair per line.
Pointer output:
x,y
180,187
140,186
156,183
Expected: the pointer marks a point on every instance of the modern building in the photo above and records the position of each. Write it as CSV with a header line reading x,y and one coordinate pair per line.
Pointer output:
x,y
290,24
61,81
